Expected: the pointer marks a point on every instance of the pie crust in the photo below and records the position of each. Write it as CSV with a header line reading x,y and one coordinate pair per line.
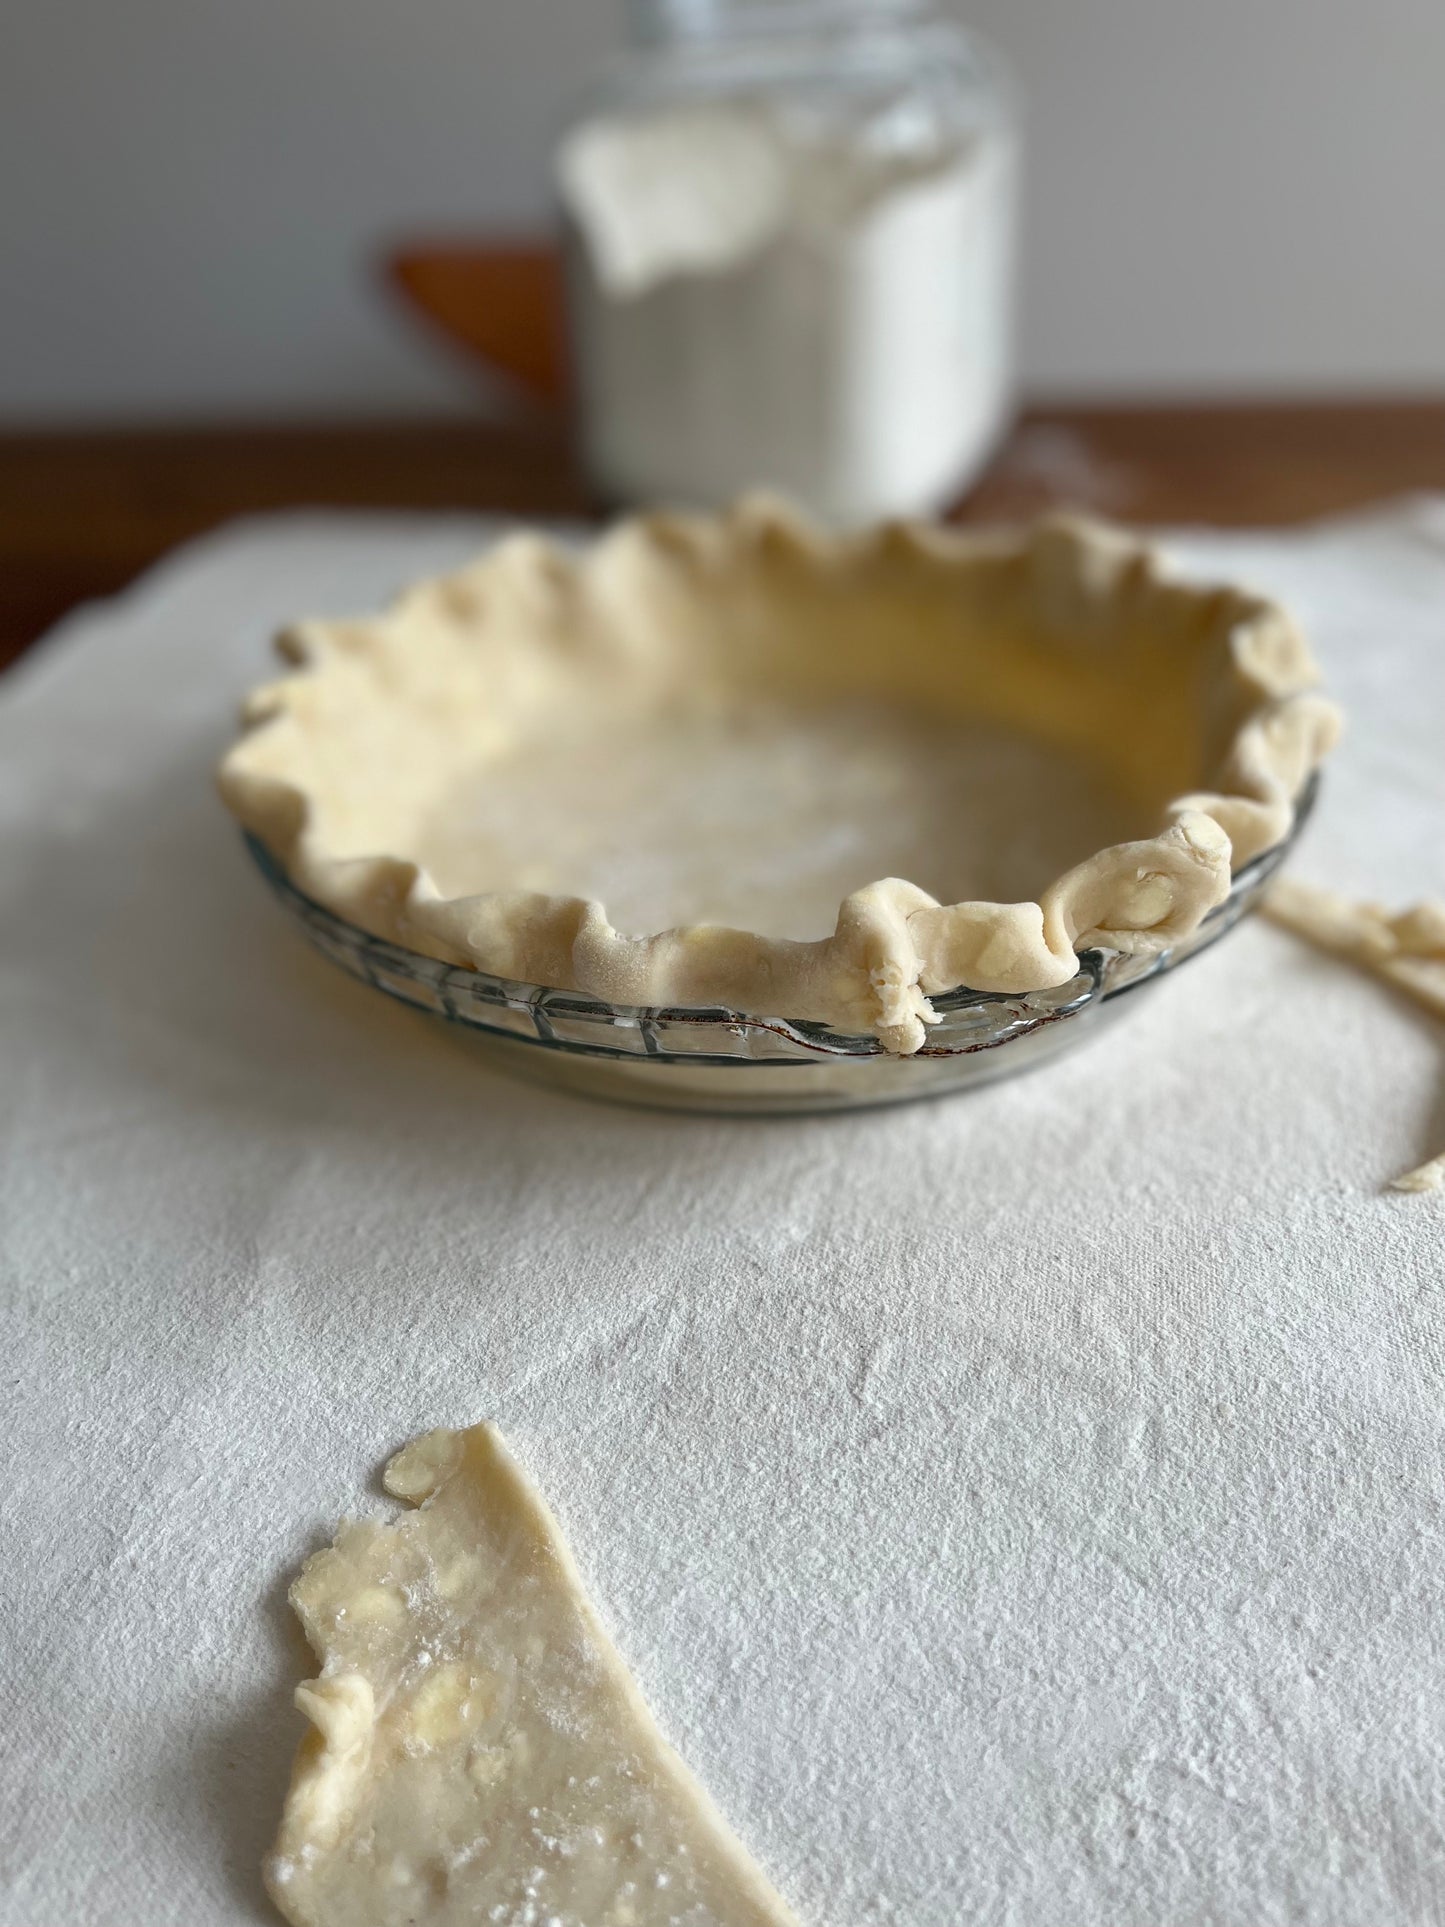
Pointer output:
x,y
1199,702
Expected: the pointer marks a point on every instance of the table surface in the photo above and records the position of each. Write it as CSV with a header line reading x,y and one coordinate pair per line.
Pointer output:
x,y
1023,1508
83,512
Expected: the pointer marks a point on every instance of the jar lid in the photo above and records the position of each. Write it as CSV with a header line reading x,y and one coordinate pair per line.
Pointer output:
x,y
689,19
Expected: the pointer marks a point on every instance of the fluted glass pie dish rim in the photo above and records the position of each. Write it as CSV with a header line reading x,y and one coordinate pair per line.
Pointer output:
x,y
636,1053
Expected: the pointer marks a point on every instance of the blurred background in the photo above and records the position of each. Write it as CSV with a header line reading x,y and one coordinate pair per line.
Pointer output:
x,y
1243,197
272,254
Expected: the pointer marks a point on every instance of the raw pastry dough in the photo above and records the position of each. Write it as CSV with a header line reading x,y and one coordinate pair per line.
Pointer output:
x,y
1407,949
1196,702
1429,1176
480,1753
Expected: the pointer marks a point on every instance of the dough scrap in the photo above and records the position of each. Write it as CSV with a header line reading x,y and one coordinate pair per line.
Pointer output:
x,y
479,1752
1429,1176
1406,948
1199,701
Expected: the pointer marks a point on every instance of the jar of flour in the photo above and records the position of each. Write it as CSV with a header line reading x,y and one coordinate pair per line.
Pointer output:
x,y
790,235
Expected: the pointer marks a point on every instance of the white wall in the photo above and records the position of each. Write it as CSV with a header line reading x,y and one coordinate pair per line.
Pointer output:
x,y
1235,194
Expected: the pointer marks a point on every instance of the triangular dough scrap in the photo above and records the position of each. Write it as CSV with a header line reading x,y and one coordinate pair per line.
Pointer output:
x,y
479,1752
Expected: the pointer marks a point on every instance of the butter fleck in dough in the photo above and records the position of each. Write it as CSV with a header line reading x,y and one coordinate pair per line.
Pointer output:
x,y
478,1751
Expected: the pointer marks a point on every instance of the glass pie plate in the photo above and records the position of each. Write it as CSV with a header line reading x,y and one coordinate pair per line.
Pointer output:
x,y
732,1060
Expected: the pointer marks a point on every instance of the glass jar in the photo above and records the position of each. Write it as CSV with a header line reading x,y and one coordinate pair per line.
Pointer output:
x,y
790,238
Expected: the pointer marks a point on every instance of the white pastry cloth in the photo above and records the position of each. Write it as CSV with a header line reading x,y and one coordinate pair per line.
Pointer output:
x,y
1019,1508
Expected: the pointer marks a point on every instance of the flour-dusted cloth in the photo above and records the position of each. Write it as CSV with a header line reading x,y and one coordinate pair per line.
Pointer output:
x,y
1025,1507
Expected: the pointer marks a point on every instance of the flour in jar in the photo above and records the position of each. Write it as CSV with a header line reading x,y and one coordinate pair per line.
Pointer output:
x,y
763,300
